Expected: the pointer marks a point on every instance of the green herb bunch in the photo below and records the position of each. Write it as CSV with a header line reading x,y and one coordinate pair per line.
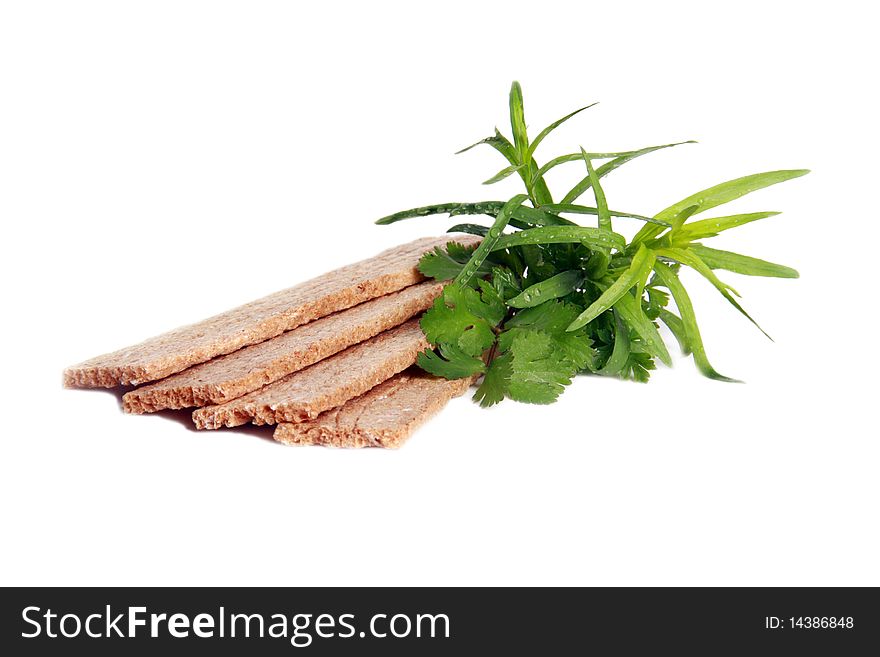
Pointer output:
x,y
542,298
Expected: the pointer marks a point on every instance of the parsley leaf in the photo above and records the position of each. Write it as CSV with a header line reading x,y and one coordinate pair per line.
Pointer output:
x,y
657,301
492,306
446,264
496,382
464,318
538,371
460,252
454,363
552,318
639,363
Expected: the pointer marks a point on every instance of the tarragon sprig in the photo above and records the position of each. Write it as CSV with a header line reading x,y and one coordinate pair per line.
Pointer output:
x,y
531,308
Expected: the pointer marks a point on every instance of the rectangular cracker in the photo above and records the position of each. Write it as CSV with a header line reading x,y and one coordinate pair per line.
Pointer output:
x,y
383,417
259,320
329,383
229,377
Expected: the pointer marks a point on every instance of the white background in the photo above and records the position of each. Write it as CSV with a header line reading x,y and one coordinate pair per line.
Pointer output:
x,y
164,161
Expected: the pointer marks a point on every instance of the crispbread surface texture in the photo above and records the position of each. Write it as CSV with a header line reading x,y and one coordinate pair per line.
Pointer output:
x,y
254,322
231,376
329,383
383,417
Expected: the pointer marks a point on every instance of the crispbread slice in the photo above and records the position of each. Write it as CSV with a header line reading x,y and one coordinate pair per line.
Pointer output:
x,y
333,381
228,377
383,417
259,320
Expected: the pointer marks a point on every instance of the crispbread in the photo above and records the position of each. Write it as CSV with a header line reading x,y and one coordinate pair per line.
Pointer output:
x,y
383,417
259,320
329,383
228,377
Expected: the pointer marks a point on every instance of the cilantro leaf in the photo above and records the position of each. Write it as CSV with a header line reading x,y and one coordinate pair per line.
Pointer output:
x,y
492,307
450,363
439,264
446,264
657,301
460,316
538,371
549,316
460,252
552,318
638,367
496,381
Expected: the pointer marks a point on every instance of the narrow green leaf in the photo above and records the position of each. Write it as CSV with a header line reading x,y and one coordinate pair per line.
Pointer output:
x,y
472,229
491,239
518,122
541,217
642,280
506,281
540,191
717,195
552,288
586,209
692,260
711,227
550,128
502,144
676,327
488,208
527,215
523,213
518,151
424,211
597,265
608,167
627,155
591,237
620,353
504,173
532,258
630,310
487,140
644,258
678,220
689,321
741,264
537,187
731,190
687,257
499,142
599,193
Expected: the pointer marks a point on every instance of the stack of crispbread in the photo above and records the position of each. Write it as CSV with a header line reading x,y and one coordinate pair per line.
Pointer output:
x,y
329,361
